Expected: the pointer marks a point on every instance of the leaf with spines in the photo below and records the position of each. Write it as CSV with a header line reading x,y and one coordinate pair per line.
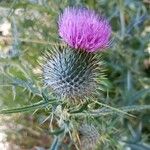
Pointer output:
x,y
108,110
40,105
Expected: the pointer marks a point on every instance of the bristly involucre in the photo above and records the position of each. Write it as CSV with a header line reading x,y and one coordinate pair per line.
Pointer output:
x,y
71,73
85,29
89,136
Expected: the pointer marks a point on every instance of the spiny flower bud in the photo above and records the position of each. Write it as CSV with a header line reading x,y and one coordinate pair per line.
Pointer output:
x,y
84,29
71,73
89,136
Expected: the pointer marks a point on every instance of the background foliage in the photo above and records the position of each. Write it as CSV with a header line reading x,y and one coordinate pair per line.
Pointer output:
x,y
34,30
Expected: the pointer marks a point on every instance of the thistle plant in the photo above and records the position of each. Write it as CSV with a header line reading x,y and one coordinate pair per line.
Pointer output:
x,y
72,71
73,89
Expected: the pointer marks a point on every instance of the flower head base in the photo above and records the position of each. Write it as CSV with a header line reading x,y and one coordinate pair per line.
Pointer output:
x,y
89,136
70,73
85,29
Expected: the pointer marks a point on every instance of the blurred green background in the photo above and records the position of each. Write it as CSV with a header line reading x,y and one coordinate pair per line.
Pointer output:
x,y
28,28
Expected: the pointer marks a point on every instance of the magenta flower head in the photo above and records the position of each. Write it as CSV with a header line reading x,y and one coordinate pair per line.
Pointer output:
x,y
84,29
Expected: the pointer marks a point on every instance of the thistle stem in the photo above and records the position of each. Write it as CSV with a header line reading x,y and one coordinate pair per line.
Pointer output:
x,y
128,80
55,144
122,19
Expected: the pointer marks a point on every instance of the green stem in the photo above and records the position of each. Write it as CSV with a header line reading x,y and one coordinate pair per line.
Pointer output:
x,y
55,144
128,80
122,19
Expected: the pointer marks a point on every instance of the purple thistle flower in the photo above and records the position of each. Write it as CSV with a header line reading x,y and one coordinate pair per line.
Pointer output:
x,y
84,29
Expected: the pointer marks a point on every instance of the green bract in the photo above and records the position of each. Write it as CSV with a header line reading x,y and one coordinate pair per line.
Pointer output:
x,y
71,73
